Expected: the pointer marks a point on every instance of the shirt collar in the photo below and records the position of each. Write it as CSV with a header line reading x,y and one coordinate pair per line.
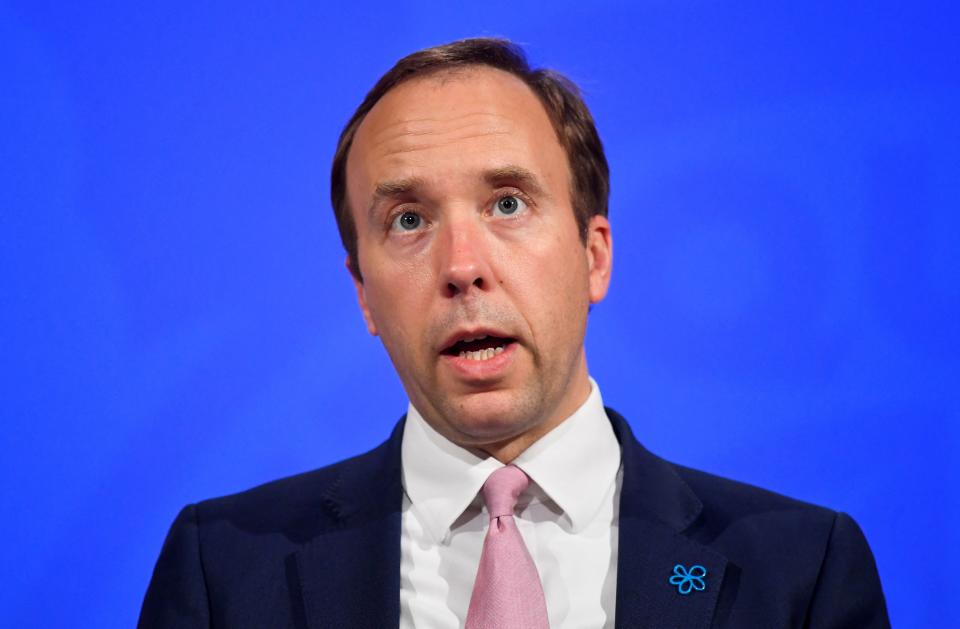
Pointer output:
x,y
574,464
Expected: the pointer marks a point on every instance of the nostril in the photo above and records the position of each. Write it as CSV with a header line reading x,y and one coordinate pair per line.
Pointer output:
x,y
456,286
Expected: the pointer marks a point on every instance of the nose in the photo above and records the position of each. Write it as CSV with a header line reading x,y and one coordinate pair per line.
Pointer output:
x,y
465,260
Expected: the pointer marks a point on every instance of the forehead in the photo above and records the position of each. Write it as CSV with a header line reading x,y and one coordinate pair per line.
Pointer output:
x,y
452,123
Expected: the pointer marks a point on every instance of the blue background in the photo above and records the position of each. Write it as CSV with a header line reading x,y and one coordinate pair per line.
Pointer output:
x,y
176,322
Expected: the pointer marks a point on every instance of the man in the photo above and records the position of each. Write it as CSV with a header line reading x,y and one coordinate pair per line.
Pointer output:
x,y
471,196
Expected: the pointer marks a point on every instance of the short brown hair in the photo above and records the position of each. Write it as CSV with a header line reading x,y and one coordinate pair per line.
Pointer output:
x,y
560,97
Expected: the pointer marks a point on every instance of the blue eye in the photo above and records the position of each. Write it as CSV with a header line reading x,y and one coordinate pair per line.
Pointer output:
x,y
408,221
508,205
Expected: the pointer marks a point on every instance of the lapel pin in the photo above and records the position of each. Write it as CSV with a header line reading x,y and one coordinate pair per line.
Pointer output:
x,y
688,580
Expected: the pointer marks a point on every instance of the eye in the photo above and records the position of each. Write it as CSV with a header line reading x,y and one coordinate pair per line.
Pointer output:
x,y
407,221
508,205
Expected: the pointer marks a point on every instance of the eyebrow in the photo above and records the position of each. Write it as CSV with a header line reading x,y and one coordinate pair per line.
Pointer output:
x,y
397,188
393,189
510,174
518,175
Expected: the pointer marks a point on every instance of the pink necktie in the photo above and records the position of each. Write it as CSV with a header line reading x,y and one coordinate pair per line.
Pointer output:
x,y
507,593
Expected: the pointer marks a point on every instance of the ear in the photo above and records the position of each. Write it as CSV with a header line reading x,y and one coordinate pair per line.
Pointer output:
x,y
361,298
599,256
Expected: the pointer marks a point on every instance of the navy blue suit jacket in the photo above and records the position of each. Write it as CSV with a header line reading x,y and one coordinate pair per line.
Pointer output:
x,y
322,549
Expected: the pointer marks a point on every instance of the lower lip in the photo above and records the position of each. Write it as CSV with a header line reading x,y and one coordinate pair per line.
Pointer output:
x,y
480,370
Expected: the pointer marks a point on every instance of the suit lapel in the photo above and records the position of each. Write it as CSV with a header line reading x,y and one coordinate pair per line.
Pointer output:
x,y
656,508
350,573
645,597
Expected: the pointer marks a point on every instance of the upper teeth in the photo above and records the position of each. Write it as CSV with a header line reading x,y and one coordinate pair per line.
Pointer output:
x,y
476,338
482,354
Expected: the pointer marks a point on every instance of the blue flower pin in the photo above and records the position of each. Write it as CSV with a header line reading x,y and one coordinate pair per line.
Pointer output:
x,y
688,580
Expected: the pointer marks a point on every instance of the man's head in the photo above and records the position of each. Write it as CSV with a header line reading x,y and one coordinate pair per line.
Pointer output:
x,y
471,195
560,98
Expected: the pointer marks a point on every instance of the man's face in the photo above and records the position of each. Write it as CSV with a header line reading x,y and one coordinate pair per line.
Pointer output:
x,y
474,273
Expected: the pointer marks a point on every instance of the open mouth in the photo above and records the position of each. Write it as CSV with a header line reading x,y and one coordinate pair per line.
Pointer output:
x,y
479,348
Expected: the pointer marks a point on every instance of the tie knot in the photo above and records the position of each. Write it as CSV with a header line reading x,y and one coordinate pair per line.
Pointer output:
x,y
502,489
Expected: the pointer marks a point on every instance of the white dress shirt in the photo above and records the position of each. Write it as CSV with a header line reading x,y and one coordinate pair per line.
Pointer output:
x,y
567,517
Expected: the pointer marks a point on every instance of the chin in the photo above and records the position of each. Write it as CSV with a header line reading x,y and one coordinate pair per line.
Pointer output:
x,y
493,417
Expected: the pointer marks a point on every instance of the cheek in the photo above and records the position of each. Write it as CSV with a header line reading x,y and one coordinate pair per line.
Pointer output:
x,y
402,342
395,286
396,304
551,290
390,311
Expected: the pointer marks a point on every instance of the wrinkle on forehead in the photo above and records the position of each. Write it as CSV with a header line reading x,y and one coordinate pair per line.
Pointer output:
x,y
423,126
403,136
399,147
